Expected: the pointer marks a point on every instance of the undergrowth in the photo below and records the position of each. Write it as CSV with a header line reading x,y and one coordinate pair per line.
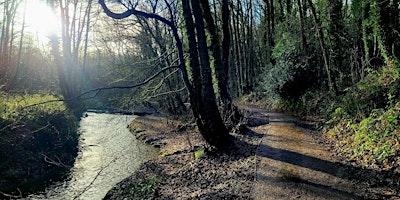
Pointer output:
x,y
37,143
145,189
365,122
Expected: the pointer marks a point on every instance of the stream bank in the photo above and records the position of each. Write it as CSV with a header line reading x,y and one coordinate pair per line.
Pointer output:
x,y
183,171
36,147
108,153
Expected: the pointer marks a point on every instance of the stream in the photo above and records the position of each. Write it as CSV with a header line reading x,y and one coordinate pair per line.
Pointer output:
x,y
108,154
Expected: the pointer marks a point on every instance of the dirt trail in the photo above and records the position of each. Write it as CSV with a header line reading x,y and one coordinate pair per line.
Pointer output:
x,y
293,165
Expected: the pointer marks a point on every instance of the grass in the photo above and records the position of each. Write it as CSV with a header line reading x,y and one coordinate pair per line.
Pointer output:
x,y
12,107
30,133
146,189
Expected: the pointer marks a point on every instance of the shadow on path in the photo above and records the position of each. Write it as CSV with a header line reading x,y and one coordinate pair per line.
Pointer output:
x,y
335,169
292,165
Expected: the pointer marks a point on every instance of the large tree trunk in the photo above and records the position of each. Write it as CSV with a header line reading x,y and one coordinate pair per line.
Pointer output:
x,y
67,63
213,128
220,71
201,92
193,61
221,62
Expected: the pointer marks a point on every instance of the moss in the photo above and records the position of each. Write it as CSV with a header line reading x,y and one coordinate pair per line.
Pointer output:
x,y
199,153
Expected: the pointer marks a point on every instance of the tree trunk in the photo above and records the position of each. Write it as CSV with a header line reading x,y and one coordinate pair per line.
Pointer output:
x,y
195,98
301,24
335,32
14,76
214,130
220,68
201,92
226,41
322,45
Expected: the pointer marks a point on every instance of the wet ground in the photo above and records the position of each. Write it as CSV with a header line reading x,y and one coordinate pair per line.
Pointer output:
x,y
291,164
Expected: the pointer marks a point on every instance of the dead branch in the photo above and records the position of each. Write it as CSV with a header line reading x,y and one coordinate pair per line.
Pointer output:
x,y
98,90
135,12
12,196
57,162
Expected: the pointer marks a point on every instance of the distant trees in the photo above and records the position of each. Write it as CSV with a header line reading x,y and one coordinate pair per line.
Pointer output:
x,y
75,17
7,41
334,46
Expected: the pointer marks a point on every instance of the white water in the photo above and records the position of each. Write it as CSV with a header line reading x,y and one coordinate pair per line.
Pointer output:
x,y
108,154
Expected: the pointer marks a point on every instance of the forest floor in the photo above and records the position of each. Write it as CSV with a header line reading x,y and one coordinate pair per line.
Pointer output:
x,y
275,158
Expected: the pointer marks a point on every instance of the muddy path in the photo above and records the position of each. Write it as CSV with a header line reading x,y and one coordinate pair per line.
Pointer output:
x,y
292,164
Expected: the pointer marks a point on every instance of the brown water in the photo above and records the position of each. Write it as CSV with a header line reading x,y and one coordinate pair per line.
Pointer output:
x,y
108,154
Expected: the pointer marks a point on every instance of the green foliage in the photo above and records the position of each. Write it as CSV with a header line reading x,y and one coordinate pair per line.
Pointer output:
x,y
13,107
292,74
373,22
366,122
377,90
292,106
145,189
31,134
199,153
377,137
286,52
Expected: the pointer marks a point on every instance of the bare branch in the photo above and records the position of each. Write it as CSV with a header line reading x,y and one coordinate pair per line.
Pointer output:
x,y
97,90
12,196
130,86
135,12
169,23
57,162
166,93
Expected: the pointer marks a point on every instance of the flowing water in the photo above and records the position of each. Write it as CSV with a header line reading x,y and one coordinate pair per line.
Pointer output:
x,y
108,154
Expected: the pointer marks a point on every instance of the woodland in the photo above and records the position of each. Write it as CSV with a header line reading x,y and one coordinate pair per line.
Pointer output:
x,y
334,60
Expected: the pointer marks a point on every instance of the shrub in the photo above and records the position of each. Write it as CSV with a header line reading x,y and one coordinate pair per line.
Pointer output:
x,y
366,121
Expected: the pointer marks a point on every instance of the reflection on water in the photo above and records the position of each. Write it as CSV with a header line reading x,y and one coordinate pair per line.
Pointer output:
x,y
108,154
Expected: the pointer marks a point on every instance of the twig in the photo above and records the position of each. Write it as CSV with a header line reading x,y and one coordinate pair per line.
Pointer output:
x,y
12,196
164,93
51,161
95,178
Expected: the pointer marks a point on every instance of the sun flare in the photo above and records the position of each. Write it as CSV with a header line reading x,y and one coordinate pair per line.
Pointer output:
x,y
41,20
